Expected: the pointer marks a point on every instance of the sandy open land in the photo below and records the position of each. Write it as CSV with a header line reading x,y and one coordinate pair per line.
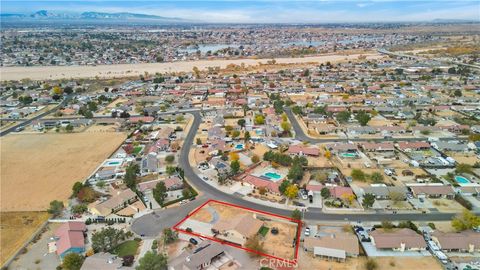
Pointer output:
x,y
123,70
37,169
16,228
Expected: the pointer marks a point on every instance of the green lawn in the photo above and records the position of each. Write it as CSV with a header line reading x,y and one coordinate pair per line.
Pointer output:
x,y
263,231
137,150
127,248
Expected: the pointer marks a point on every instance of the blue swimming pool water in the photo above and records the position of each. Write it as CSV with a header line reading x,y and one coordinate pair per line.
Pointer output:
x,y
239,146
113,163
348,155
461,180
273,175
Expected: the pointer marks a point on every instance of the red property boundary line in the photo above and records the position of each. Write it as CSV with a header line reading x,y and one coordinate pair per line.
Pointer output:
x,y
297,243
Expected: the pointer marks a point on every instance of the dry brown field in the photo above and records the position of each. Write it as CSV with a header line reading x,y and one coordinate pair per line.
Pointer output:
x,y
16,228
37,169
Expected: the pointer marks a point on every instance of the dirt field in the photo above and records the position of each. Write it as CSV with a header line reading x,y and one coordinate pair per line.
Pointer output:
x,y
37,169
307,261
16,228
128,70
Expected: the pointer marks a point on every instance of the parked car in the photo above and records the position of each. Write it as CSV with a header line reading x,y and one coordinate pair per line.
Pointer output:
x,y
193,241
307,231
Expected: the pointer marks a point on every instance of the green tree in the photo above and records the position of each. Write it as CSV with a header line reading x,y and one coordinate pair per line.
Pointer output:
x,y
255,159
358,175
130,178
457,93
362,118
297,110
343,117
296,172
286,126
296,214
171,170
199,141
160,192
72,261
235,133
283,186
69,128
325,192
247,136
368,200
241,122
76,188
387,225
467,220
169,158
56,208
107,239
79,208
376,177
169,236
259,119
463,168
152,261
235,166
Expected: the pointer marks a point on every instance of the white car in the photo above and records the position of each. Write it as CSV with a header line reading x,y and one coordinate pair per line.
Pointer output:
x,y
307,231
388,172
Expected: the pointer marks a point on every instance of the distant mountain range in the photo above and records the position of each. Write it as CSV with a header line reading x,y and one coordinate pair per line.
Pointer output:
x,y
91,15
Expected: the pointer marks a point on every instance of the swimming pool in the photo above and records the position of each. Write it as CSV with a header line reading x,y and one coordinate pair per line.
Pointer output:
x,y
239,146
462,180
113,163
348,155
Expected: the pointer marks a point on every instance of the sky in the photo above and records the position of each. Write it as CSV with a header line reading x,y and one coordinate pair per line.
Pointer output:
x,y
280,11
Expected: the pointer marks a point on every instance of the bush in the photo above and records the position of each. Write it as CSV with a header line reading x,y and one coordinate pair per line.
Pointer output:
x,y
371,264
431,225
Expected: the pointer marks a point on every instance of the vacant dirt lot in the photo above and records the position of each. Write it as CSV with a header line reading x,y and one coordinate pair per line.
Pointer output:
x,y
16,228
37,169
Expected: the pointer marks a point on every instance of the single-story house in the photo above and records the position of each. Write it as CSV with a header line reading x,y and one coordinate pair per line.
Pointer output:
x,y
70,238
413,146
466,241
204,257
303,150
383,192
238,229
259,183
378,147
104,261
115,203
171,183
433,191
338,246
398,240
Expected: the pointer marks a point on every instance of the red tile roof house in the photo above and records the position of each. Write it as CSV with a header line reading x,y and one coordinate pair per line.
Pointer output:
x,y
433,191
466,241
144,119
378,147
409,146
259,182
398,240
70,238
303,150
